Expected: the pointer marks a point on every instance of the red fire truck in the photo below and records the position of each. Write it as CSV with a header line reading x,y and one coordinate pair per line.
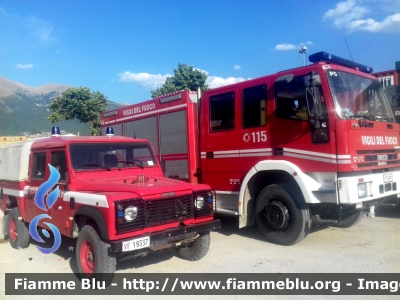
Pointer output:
x,y
317,143
108,192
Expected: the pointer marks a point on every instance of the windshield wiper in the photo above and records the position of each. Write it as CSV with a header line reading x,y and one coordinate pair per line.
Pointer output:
x,y
385,119
132,162
371,118
95,165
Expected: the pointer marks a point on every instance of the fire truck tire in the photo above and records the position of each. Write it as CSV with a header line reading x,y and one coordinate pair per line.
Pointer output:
x,y
351,220
18,231
196,250
93,258
282,217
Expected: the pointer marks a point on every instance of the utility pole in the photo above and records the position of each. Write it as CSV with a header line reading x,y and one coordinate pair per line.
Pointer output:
x,y
303,50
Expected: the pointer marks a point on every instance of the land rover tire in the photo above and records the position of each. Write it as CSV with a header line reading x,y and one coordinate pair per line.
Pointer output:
x,y
93,258
18,231
197,249
282,217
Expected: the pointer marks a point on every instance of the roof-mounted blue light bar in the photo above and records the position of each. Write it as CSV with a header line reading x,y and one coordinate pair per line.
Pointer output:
x,y
329,58
55,131
109,131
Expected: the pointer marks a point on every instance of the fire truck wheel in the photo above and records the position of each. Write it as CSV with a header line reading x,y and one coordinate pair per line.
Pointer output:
x,y
280,216
92,256
18,230
196,250
351,220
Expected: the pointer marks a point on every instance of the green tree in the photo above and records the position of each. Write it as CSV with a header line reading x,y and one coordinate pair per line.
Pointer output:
x,y
185,78
79,103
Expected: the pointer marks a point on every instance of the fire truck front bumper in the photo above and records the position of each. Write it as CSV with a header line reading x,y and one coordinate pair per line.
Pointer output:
x,y
162,240
369,188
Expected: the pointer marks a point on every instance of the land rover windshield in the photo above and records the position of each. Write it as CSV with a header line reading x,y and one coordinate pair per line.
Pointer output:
x,y
358,97
111,155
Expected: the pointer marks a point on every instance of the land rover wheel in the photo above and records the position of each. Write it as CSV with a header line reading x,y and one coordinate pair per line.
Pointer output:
x,y
283,218
93,257
197,249
17,230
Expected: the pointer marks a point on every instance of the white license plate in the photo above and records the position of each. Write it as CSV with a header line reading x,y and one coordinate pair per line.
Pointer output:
x,y
136,244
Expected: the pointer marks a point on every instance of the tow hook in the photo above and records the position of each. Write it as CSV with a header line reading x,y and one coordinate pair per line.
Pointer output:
x,y
371,212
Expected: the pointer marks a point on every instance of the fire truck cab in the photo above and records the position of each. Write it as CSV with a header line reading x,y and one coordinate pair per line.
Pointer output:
x,y
317,143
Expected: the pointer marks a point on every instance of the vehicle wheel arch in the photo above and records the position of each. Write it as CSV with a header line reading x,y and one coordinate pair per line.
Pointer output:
x,y
86,215
266,173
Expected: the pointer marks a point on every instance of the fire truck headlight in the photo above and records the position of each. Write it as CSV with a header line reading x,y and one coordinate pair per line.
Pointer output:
x,y
199,202
130,213
362,189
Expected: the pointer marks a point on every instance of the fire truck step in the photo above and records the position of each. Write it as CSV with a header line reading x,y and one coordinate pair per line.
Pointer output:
x,y
226,212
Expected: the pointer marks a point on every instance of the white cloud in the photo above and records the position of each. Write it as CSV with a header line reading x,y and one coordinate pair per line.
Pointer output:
x,y
215,81
201,70
145,79
152,81
352,15
285,47
25,67
236,67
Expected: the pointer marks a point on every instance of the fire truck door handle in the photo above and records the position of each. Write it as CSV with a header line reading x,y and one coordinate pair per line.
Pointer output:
x,y
210,155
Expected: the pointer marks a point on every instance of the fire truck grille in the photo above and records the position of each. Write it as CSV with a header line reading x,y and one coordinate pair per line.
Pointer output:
x,y
164,211
374,158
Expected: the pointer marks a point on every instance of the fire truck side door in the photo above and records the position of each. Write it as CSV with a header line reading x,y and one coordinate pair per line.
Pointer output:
x,y
300,131
254,139
220,152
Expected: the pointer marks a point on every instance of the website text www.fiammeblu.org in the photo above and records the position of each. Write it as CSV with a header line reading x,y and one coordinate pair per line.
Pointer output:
x,y
210,283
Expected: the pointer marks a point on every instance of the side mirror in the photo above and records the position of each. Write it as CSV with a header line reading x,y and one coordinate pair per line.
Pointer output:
x,y
313,101
320,135
313,97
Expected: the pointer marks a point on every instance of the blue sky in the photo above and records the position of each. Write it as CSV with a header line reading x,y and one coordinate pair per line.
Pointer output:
x,y
124,49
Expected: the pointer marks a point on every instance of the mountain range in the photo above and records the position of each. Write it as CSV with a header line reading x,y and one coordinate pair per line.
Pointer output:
x,y
24,109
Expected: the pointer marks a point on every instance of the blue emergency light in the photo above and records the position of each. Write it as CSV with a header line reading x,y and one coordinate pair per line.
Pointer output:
x,y
109,131
330,58
55,131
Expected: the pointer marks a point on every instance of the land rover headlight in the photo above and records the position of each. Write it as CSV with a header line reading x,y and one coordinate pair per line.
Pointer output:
x,y
199,202
130,213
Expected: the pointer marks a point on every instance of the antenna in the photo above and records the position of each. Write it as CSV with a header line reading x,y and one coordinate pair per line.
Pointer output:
x,y
349,50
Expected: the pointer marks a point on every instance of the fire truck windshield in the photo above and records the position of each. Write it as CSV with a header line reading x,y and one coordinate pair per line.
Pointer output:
x,y
358,97
111,155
